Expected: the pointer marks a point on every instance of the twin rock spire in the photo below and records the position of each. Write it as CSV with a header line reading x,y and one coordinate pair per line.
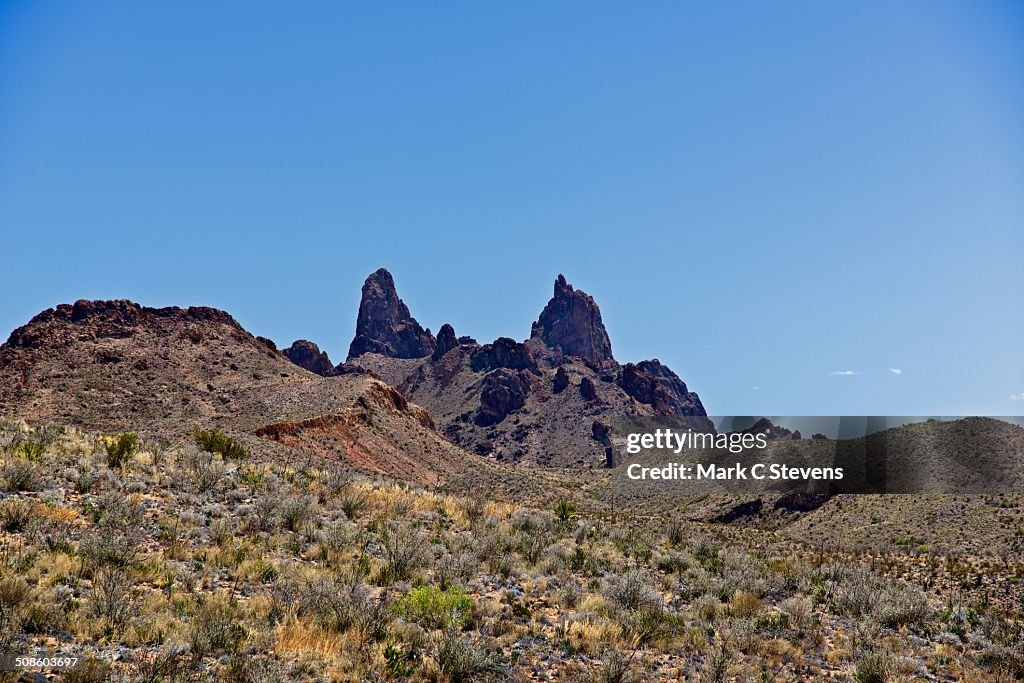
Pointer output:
x,y
570,323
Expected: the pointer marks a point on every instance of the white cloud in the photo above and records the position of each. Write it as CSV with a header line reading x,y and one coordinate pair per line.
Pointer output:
x,y
1017,397
896,371
844,373
757,388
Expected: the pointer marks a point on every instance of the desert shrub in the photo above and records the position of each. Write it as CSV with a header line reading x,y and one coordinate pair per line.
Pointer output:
x,y
338,535
902,606
452,566
19,475
84,478
216,627
340,605
15,514
43,616
715,667
89,670
675,532
216,441
121,448
564,511
266,512
1003,660
857,591
459,660
874,667
203,469
531,543
52,535
352,501
632,591
110,598
172,663
405,550
800,611
242,669
615,668
295,512
117,532
435,607
222,531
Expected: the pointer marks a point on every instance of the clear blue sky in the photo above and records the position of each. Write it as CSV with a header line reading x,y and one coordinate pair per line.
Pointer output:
x,y
759,194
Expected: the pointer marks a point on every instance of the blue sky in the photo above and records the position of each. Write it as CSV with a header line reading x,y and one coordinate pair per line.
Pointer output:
x,y
759,194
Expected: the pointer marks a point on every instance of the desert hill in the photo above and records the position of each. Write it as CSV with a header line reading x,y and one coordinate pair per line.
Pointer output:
x,y
116,365
546,401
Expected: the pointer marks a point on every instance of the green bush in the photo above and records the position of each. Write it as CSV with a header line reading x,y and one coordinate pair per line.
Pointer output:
x,y
431,606
216,441
121,448
565,511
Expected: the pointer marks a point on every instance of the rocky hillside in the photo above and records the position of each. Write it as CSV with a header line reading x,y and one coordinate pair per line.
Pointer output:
x,y
116,365
546,401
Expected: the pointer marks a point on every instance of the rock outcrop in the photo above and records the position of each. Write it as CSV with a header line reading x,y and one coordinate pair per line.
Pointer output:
x,y
446,341
588,390
571,322
656,385
504,391
561,380
308,355
503,353
384,324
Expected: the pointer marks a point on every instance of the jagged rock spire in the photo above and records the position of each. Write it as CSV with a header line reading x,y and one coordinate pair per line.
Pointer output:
x,y
572,322
385,325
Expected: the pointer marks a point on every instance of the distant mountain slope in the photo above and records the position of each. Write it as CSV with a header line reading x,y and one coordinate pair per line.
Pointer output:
x,y
547,401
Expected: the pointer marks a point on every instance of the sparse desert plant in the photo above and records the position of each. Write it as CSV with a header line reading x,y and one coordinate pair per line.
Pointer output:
x,y
116,534
216,441
405,550
435,607
339,605
216,627
675,532
84,478
121,448
564,511
902,606
89,670
110,598
15,514
632,591
715,668
19,475
616,667
459,660
874,667
352,500
295,512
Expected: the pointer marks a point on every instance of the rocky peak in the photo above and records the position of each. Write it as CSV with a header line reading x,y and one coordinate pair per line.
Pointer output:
x,y
308,355
385,325
446,341
571,322
90,320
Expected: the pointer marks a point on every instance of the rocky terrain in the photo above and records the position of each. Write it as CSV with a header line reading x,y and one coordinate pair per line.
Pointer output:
x,y
544,401
180,500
